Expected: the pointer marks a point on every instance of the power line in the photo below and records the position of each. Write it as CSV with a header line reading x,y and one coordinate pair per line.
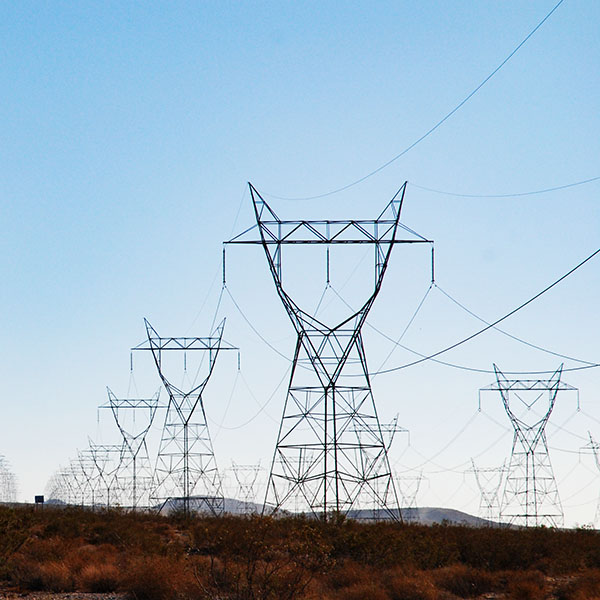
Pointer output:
x,y
510,335
497,321
513,195
432,129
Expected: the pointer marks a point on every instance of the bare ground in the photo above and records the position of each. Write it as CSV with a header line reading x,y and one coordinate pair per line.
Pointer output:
x,y
6,595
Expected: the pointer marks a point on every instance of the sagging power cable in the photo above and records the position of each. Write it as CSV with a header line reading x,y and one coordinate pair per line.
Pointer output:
x,y
432,129
512,195
496,322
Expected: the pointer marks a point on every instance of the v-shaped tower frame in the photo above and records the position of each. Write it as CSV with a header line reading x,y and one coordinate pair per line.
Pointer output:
x,y
134,473
530,494
330,455
186,472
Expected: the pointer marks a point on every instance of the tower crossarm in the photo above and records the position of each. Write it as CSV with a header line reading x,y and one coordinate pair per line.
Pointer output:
x,y
213,344
133,441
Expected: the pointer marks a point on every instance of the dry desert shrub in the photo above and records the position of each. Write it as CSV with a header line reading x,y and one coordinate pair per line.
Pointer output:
x,y
363,591
464,581
527,585
150,578
409,586
51,576
347,573
159,578
583,586
100,578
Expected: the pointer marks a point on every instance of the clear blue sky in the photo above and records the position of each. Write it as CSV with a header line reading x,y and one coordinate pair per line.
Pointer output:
x,y
128,134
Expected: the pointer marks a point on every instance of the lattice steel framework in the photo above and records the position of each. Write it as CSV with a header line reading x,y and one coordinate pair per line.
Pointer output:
x,y
186,474
8,482
330,455
85,473
134,475
60,487
530,494
594,447
489,481
107,462
246,477
408,487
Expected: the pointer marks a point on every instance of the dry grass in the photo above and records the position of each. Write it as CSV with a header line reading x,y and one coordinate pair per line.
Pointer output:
x,y
581,586
464,581
528,585
235,558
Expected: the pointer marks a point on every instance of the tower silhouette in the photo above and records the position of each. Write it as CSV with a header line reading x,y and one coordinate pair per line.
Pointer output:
x,y
186,474
530,495
330,455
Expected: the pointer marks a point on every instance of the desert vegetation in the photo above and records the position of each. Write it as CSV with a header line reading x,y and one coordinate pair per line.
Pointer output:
x,y
149,557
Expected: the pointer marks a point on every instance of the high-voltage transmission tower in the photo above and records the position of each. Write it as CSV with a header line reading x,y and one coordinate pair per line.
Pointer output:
x,y
246,477
594,447
408,487
134,418
186,474
86,473
60,487
489,481
330,455
107,461
8,482
530,494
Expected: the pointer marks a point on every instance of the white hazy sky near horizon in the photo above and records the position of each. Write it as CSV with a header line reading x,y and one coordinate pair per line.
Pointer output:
x,y
129,132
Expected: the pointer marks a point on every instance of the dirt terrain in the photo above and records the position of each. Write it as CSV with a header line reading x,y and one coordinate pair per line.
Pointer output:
x,y
6,595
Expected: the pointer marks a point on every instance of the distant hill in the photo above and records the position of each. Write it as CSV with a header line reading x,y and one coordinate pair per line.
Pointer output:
x,y
423,515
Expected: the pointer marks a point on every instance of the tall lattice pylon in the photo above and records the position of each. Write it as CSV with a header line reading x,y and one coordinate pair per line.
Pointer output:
x,y
489,481
186,474
246,477
330,455
8,482
107,460
408,487
530,494
594,447
134,418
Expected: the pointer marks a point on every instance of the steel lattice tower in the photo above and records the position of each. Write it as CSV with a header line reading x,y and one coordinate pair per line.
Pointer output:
x,y
489,481
135,471
245,477
594,446
8,482
107,460
330,455
186,472
409,486
530,494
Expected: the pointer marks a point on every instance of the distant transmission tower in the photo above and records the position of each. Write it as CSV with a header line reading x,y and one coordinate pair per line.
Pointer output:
x,y
60,487
8,482
246,477
107,461
330,455
134,418
87,474
409,487
186,472
594,446
530,492
489,480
